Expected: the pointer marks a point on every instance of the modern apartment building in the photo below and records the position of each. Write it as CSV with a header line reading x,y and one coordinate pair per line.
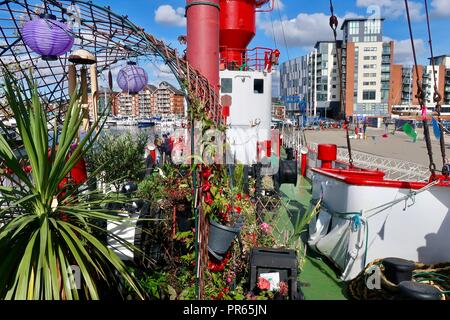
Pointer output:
x,y
162,100
169,100
295,82
404,86
325,87
313,79
367,63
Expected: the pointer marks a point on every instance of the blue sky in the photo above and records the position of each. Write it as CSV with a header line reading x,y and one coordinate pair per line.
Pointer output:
x,y
304,22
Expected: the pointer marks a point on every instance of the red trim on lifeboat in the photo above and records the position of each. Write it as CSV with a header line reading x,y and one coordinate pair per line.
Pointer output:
x,y
371,178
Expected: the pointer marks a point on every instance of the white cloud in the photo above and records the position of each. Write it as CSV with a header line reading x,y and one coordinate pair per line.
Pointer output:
x,y
278,4
441,8
167,15
392,8
403,51
302,31
161,72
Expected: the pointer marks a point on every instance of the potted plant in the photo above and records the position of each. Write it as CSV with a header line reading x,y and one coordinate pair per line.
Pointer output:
x,y
121,157
224,209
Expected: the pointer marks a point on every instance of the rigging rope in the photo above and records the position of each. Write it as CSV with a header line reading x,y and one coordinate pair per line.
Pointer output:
x,y
273,30
334,23
421,97
282,29
437,98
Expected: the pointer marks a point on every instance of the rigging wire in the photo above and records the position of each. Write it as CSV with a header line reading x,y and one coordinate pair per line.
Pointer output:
x,y
334,23
421,97
282,29
437,98
273,30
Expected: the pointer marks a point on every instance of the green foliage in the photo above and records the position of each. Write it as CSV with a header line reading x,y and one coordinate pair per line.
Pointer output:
x,y
155,285
167,186
238,178
151,188
176,282
48,227
120,157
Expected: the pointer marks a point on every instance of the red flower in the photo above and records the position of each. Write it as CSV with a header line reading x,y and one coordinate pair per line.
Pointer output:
x,y
217,266
239,197
220,296
284,289
263,284
208,200
225,217
238,209
206,173
206,186
27,169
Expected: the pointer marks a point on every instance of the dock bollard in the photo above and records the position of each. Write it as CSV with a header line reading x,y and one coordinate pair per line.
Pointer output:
x,y
327,153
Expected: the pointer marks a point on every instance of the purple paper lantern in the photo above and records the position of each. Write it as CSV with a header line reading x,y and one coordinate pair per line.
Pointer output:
x,y
132,78
48,37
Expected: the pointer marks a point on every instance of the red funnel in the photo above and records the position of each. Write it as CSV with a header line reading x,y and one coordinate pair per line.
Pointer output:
x,y
237,29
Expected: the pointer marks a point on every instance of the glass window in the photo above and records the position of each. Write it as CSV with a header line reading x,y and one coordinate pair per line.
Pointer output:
x,y
372,26
226,85
354,27
369,95
258,86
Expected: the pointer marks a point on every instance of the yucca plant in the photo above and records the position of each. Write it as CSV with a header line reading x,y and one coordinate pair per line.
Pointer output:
x,y
48,228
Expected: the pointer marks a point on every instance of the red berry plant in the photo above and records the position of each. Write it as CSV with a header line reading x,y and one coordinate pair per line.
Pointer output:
x,y
226,203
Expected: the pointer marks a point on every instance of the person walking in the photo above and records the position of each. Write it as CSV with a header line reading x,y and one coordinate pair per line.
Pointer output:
x,y
166,150
364,130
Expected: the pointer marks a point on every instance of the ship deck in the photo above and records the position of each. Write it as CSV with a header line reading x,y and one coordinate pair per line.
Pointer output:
x,y
320,281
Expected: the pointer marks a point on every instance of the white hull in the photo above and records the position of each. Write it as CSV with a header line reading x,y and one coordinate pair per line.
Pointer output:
x,y
127,123
414,227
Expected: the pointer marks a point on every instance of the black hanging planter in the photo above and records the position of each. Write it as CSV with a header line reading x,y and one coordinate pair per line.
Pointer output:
x,y
220,238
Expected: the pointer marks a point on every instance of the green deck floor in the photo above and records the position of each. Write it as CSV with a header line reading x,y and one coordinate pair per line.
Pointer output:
x,y
320,281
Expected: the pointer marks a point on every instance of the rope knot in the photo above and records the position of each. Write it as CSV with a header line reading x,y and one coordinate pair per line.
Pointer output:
x,y
334,22
356,222
437,96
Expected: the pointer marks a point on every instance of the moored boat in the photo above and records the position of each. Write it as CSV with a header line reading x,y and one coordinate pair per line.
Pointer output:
x,y
146,123
364,216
